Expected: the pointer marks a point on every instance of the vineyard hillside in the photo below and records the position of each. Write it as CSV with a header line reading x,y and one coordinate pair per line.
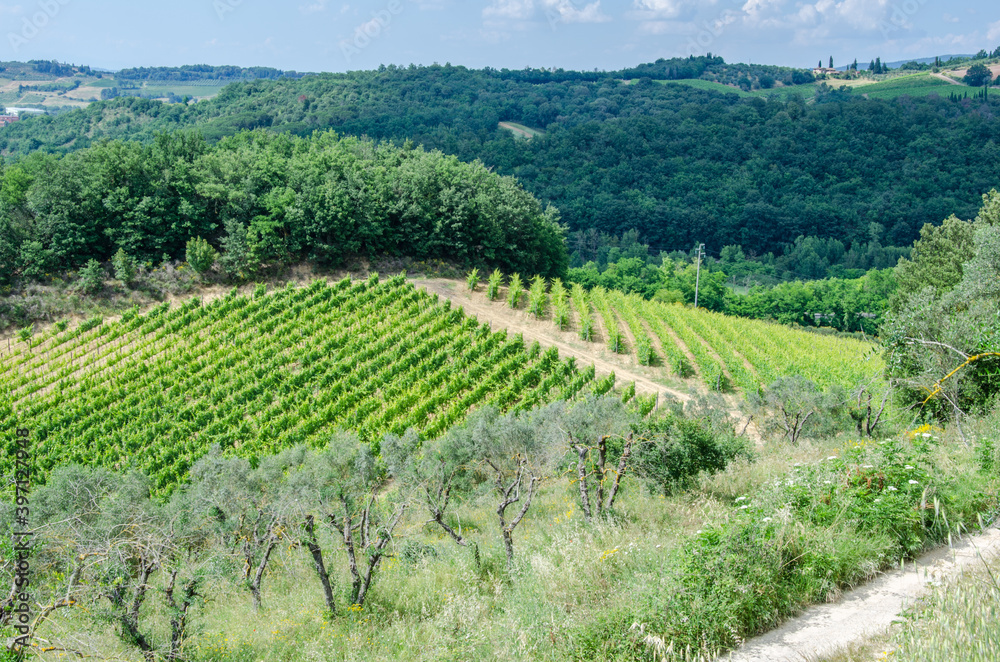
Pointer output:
x,y
672,348
257,374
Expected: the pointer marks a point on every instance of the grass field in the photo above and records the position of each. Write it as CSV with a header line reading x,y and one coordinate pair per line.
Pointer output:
x,y
921,84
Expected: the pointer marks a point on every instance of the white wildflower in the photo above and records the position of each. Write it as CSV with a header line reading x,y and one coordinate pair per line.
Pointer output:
x,y
913,482
891,488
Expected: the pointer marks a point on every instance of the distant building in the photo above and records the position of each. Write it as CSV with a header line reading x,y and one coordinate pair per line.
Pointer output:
x,y
7,119
825,70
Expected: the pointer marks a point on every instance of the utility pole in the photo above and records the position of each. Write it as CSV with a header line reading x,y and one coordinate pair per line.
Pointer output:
x,y
697,280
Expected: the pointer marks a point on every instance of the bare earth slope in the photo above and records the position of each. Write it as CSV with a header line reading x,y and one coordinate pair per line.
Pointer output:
x,y
867,610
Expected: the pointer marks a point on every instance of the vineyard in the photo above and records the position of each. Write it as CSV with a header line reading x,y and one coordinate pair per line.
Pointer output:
x,y
724,353
256,374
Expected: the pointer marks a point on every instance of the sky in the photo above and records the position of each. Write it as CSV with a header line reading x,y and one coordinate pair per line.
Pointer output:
x,y
334,35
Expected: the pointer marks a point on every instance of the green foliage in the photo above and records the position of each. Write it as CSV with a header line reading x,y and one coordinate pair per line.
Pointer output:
x,y
276,198
938,258
472,279
515,289
90,280
237,258
978,75
200,255
794,406
24,335
494,285
124,266
538,297
678,449
947,311
664,186
364,344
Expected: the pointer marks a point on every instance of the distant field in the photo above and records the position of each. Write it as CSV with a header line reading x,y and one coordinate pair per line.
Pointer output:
x,y
921,84
521,131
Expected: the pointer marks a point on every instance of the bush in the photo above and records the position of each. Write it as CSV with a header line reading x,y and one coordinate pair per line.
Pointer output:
x,y
91,278
200,255
679,449
124,267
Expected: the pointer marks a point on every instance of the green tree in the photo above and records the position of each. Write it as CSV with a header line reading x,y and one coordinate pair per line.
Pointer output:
x,y
200,255
937,259
124,267
237,259
90,280
978,75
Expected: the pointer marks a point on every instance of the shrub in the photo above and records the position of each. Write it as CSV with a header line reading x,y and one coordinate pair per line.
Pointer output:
x,y
514,291
494,285
472,280
91,278
200,255
124,267
679,449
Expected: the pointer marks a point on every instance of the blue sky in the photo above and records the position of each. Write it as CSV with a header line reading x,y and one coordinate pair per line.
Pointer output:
x,y
334,35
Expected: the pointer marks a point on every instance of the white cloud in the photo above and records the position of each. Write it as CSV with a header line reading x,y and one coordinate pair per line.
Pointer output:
x,y
518,10
993,32
660,8
567,12
555,11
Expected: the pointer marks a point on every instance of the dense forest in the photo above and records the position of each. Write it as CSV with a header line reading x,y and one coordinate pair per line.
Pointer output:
x,y
267,199
679,165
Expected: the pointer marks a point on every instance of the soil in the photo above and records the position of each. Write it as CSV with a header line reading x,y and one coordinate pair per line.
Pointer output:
x,y
867,610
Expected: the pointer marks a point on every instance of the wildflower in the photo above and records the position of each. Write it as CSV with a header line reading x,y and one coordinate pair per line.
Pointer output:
x,y
926,435
767,519
878,500
744,507
913,482
909,467
738,499
832,457
891,488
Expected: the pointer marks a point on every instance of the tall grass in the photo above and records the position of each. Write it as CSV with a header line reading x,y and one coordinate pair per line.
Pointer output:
x,y
680,576
959,620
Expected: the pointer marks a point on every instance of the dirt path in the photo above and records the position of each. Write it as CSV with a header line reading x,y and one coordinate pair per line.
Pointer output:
x,y
946,78
519,321
867,610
